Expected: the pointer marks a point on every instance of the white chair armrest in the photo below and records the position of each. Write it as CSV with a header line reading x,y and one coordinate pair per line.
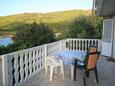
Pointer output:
x,y
54,59
59,61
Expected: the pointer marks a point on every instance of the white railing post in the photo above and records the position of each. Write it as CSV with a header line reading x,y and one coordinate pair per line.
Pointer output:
x,y
16,73
30,62
99,45
45,53
5,70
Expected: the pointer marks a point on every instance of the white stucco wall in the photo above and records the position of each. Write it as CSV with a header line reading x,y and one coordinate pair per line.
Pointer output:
x,y
107,37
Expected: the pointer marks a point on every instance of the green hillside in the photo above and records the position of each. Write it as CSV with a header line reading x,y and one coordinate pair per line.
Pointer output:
x,y
59,21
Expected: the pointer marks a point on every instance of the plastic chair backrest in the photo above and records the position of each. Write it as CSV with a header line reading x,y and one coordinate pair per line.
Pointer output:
x,y
92,60
92,49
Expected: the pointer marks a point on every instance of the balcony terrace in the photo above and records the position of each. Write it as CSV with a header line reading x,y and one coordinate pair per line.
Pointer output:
x,y
26,67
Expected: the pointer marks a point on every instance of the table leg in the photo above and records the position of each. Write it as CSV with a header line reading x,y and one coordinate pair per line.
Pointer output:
x,y
72,71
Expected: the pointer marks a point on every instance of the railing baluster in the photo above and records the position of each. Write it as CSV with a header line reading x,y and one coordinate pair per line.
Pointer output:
x,y
40,58
30,63
72,47
21,67
69,44
74,44
84,48
37,53
34,50
26,65
78,44
16,73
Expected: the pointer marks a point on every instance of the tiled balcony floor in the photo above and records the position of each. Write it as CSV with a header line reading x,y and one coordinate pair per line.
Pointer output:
x,y
106,73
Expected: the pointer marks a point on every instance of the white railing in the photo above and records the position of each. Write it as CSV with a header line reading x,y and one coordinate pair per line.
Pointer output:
x,y
83,44
22,65
53,48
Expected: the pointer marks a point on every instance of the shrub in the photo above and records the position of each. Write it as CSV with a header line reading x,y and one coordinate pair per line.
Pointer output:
x,y
81,28
35,34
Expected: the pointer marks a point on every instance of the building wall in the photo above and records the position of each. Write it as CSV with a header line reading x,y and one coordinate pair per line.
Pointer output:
x,y
113,53
107,37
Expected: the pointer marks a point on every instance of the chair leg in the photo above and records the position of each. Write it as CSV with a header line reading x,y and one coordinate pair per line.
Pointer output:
x,y
75,65
84,77
55,70
51,73
87,74
46,70
62,70
96,75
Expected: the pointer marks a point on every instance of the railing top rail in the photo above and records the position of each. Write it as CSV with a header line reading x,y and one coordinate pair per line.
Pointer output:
x,y
82,39
57,41
28,49
24,50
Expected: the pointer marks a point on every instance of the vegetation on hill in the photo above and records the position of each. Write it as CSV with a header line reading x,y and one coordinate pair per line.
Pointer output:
x,y
59,21
33,29
81,27
28,36
34,34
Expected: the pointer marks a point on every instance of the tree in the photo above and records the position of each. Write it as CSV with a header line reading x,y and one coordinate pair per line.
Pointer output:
x,y
99,27
34,34
81,28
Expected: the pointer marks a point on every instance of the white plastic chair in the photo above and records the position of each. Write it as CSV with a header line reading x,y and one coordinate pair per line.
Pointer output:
x,y
52,62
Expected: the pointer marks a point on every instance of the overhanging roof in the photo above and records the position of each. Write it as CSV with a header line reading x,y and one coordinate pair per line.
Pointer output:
x,y
105,7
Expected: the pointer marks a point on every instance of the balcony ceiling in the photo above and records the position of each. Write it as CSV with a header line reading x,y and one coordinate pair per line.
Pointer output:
x,y
105,7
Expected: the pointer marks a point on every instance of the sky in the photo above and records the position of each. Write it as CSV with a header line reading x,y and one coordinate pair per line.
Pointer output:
x,y
9,7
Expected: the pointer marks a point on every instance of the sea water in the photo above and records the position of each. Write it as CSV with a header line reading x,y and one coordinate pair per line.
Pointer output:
x,y
5,41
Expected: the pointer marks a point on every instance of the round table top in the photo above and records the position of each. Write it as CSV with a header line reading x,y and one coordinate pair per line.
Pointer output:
x,y
68,55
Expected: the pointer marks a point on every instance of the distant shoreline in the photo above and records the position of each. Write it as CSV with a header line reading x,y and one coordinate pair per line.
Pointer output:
x,y
6,36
